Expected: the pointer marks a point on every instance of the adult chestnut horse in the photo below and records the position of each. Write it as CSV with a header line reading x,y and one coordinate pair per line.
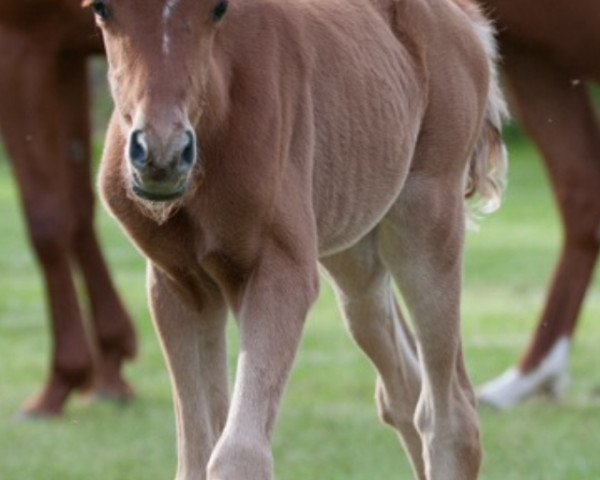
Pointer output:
x,y
44,110
551,56
339,132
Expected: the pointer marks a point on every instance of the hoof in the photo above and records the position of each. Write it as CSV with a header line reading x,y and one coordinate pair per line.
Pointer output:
x,y
38,412
550,378
106,396
50,403
120,394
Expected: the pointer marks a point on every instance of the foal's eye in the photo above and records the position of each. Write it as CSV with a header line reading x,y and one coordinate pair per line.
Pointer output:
x,y
220,10
101,9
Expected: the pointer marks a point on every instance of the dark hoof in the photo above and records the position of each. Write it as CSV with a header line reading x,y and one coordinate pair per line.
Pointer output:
x,y
37,414
121,395
48,404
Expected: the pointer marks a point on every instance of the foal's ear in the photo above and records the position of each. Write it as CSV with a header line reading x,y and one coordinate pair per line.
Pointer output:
x,y
86,3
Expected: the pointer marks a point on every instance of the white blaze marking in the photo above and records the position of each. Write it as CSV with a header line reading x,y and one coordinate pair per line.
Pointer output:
x,y
167,13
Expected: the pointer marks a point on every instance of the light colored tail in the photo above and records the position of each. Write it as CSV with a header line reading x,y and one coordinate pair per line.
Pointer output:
x,y
486,176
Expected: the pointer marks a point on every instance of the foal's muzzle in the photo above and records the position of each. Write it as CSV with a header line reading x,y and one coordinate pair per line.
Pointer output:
x,y
161,172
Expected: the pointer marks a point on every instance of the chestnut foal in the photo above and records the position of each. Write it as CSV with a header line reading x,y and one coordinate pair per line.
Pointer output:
x,y
551,57
340,132
44,109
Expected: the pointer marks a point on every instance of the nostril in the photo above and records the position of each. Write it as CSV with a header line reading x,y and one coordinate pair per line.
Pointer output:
x,y
138,151
188,155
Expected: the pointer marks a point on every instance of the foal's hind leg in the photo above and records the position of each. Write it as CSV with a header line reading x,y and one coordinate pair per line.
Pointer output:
x,y
421,241
372,314
560,117
31,128
113,328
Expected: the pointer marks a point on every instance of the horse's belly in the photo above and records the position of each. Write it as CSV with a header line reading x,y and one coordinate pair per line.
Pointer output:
x,y
354,190
367,106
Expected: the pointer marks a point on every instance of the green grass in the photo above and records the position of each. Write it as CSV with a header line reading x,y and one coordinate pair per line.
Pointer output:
x,y
328,428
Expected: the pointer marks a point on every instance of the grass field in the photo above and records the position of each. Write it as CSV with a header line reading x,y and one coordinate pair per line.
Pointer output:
x,y
328,429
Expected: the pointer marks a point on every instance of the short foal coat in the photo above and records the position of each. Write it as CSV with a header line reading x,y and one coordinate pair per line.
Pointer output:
x,y
338,131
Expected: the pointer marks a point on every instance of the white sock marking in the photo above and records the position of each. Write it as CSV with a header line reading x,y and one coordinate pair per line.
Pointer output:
x,y
514,386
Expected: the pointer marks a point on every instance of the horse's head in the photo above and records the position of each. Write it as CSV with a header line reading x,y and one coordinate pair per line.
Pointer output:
x,y
159,53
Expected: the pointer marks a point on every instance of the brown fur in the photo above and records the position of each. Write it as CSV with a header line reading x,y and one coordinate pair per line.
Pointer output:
x,y
332,131
551,57
44,46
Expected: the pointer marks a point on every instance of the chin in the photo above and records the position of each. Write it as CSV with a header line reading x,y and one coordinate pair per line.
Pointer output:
x,y
159,207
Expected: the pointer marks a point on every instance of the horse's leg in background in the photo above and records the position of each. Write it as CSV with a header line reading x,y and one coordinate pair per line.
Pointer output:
x,y
557,111
366,297
31,126
421,241
114,331
194,344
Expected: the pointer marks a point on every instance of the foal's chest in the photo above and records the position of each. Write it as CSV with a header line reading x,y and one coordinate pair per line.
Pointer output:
x,y
196,259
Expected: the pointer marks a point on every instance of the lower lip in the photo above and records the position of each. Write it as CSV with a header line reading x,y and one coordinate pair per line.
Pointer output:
x,y
155,197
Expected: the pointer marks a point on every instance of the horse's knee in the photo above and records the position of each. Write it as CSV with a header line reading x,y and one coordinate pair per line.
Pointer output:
x,y
50,231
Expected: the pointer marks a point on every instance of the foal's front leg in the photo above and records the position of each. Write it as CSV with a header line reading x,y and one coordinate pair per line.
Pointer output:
x,y
194,344
274,306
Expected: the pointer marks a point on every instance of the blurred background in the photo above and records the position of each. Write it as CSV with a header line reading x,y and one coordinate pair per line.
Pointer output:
x,y
328,428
